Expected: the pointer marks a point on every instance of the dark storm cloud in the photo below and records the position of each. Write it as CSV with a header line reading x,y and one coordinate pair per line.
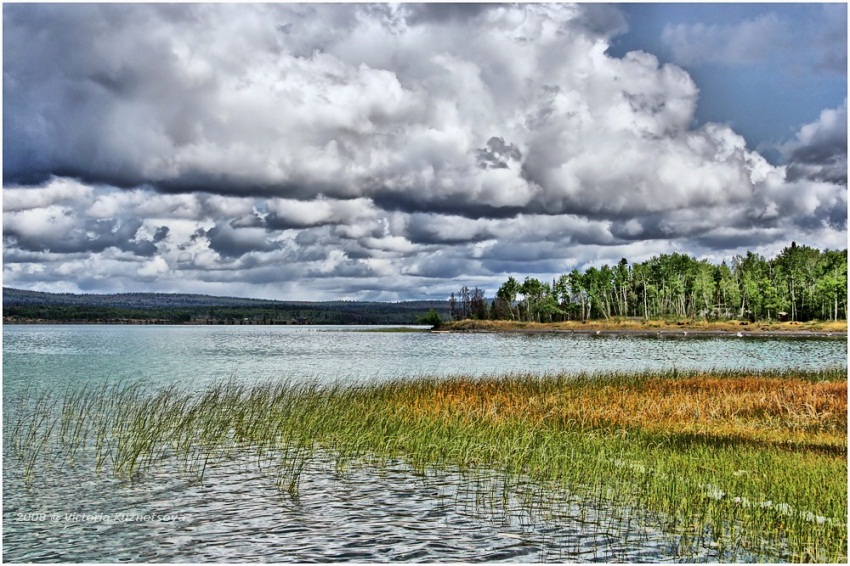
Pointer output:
x,y
836,218
410,202
275,222
236,242
161,234
92,236
82,78
690,223
643,228
819,151
358,253
830,170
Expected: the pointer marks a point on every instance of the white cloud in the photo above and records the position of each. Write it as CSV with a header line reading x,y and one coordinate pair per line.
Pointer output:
x,y
403,128
50,222
288,213
153,268
57,191
373,151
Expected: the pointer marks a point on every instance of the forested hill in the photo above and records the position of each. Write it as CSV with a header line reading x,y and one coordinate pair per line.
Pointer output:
x,y
33,306
125,300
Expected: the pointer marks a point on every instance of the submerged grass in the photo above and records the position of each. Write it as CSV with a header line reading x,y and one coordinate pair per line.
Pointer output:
x,y
739,460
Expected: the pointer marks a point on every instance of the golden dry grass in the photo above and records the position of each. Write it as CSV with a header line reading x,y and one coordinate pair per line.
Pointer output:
x,y
758,409
638,324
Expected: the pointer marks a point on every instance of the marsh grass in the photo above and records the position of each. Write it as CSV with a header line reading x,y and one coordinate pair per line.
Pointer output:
x,y
739,461
651,325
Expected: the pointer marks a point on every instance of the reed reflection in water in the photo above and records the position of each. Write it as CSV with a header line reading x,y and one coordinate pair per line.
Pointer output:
x,y
366,513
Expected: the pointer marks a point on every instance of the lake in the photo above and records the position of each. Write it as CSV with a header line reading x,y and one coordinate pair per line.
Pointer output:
x,y
367,513
60,356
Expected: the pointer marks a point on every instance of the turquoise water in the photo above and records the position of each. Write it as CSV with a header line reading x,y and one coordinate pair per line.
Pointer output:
x,y
368,513
195,356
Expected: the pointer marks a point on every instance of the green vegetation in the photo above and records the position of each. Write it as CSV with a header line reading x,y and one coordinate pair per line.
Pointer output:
x,y
431,318
800,284
752,462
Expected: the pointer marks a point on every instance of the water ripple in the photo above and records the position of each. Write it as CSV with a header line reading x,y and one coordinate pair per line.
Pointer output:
x,y
196,356
367,514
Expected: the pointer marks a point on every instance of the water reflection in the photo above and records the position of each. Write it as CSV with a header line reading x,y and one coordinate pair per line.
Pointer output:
x,y
64,356
367,513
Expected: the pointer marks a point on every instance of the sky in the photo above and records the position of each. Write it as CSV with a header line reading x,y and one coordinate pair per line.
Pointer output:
x,y
395,152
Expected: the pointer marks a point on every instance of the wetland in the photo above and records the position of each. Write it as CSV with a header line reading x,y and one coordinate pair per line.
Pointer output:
x,y
316,444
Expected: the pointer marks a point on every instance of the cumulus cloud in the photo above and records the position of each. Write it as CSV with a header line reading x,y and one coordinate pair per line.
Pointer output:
x,y
288,213
278,108
370,151
58,191
819,149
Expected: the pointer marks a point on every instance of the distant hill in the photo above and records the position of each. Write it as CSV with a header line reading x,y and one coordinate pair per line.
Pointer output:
x,y
35,306
129,300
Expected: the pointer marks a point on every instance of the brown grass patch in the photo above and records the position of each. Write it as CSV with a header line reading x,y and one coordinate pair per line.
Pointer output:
x,y
759,409
639,324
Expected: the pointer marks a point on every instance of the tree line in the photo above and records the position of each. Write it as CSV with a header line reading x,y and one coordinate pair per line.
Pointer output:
x,y
30,306
799,284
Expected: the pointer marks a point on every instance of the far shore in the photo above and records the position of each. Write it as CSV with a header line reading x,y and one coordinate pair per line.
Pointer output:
x,y
640,327
623,326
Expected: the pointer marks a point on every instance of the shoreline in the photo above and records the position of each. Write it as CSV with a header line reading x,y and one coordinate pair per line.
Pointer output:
x,y
656,329
660,332
475,327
